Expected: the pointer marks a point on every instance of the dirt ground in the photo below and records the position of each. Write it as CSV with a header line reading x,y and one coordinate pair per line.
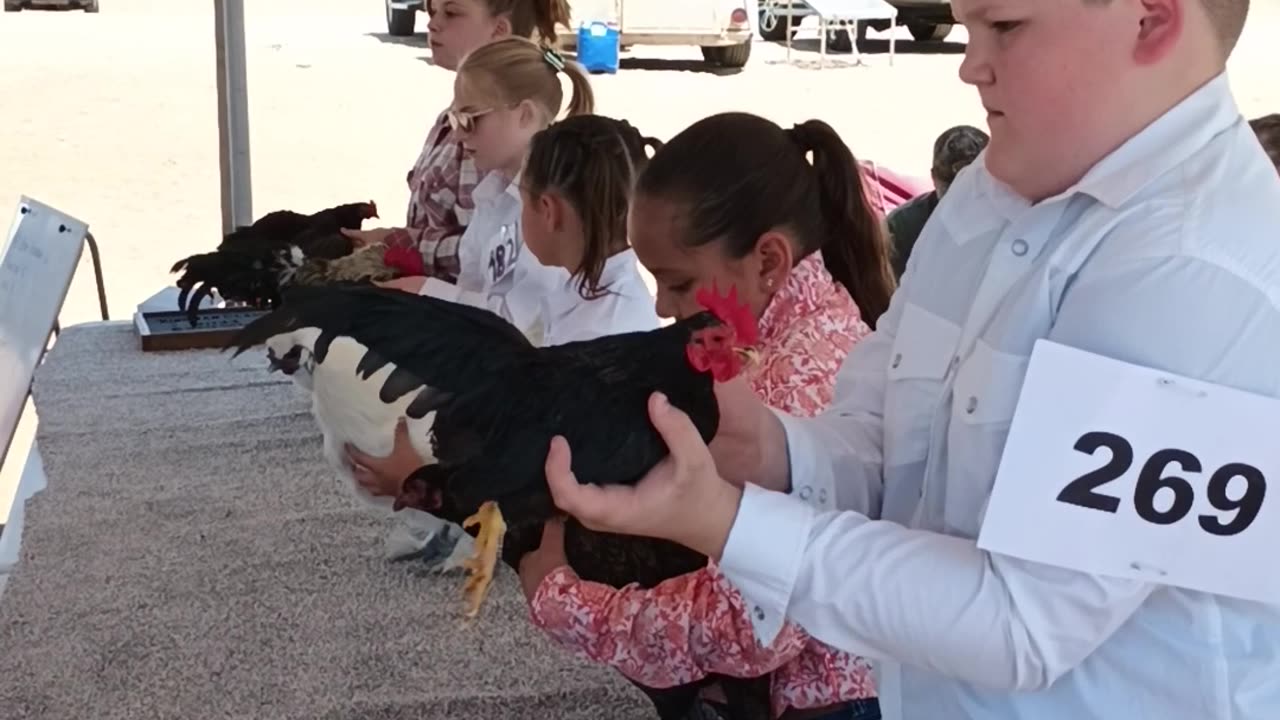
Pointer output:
x,y
111,117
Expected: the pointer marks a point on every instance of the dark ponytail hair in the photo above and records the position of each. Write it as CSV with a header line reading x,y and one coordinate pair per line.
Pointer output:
x,y
533,19
739,176
592,162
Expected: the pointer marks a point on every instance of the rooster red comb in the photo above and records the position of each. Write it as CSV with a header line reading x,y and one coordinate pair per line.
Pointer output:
x,y
406,261
731,312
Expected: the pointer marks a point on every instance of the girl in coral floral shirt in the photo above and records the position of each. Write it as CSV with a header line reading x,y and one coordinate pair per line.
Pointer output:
x,y
735,200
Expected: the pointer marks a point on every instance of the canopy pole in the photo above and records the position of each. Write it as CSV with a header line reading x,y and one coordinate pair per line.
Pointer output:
x,y
233,114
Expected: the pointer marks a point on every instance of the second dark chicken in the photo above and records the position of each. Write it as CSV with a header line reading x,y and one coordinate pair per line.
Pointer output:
x,y
255,262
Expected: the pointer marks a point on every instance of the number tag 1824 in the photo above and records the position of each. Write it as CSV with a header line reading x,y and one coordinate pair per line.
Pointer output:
x,y
1120,470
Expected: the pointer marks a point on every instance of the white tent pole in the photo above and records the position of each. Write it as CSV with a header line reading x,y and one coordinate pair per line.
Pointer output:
x,y
233,114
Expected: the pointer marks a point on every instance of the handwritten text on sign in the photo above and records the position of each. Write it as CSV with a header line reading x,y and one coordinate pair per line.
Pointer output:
x,y
1120,470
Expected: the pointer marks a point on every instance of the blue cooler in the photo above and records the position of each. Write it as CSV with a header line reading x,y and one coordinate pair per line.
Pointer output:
x,y
598,47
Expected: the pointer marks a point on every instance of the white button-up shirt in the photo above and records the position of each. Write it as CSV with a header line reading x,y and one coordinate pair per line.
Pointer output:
x,y
1166,254
497,272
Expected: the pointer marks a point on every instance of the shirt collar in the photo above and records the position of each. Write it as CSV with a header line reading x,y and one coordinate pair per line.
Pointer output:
x,y
1117,178
494,184
617,267
1163,145
806,290
613,279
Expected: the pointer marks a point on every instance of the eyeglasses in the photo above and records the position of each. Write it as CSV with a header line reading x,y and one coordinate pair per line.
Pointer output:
x,y
465,120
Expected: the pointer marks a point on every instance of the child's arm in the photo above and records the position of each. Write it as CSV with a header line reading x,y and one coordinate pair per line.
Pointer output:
x,y
438,245
675,633
450,178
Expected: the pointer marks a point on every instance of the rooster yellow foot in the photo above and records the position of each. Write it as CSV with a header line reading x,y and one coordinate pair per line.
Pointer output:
x,y
480,566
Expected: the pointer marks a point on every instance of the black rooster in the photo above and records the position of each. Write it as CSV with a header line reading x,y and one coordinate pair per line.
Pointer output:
x,y
487,403
253,262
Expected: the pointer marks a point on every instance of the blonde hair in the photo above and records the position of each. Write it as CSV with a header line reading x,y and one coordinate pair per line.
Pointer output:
x,y
514,69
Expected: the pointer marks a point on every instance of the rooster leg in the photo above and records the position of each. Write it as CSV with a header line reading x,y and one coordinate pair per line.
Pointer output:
x,y
480,567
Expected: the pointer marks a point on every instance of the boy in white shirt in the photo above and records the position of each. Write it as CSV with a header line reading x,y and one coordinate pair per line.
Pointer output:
x,y
1144,230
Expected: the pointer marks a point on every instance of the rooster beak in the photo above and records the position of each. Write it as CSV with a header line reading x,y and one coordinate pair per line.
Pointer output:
x,y
749,355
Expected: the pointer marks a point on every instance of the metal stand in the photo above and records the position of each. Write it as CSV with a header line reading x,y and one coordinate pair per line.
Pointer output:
x,y
97,276
233,114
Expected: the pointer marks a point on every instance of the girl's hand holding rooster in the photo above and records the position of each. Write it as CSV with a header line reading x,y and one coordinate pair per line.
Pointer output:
x,y
385,476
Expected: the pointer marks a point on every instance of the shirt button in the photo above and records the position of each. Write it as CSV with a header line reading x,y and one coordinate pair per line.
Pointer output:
x,y
759,613
897,360
971,405
822,497
1020,247
805,492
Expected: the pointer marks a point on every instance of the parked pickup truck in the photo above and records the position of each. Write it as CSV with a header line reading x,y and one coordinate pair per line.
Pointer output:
x,y
722,28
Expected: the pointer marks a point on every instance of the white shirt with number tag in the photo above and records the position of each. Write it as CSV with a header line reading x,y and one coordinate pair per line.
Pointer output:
x,y
1166,255
495,270
1152,476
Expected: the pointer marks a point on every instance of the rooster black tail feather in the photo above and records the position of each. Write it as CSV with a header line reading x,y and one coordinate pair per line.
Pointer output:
x,y
329,308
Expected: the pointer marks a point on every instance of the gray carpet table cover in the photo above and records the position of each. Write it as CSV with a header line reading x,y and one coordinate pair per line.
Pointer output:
x,y
192,557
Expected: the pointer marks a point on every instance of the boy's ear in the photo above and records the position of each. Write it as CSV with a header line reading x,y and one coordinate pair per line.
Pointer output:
x,y
1159,28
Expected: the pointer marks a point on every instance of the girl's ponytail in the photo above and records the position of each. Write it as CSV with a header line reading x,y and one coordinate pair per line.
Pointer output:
x,y
854,248
547,14
582,99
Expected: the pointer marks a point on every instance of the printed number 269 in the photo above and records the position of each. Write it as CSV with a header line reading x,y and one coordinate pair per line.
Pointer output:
x,y
1083,491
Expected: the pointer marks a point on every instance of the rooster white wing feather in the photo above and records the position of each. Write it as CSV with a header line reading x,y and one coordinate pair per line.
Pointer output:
x,y
348,410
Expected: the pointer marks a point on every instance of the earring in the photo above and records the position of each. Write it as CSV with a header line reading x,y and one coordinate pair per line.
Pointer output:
x,y
769,283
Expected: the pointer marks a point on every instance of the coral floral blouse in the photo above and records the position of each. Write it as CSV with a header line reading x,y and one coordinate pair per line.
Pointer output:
x,y
697,624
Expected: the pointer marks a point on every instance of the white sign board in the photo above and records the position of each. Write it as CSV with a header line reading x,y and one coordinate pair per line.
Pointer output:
x,y
1120,470
38,262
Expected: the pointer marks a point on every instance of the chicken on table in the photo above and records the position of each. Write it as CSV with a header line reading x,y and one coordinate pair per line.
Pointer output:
x,y
254,263
482,404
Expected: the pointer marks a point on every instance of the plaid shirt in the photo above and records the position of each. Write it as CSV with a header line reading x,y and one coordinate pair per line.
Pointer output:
x,y
440,202
697,624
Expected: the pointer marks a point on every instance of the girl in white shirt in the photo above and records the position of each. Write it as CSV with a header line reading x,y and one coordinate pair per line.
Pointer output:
x,y
576,189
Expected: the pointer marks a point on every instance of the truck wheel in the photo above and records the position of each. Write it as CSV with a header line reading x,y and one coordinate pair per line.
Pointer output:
x,y
400,22
729,56
91,6
777,33
930,32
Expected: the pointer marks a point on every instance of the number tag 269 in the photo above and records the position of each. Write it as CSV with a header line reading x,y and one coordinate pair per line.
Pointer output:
x,y
1180,494
1115,469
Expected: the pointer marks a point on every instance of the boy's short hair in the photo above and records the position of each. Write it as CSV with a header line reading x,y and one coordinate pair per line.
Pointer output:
x,y
1267,128
1226,16
954,149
